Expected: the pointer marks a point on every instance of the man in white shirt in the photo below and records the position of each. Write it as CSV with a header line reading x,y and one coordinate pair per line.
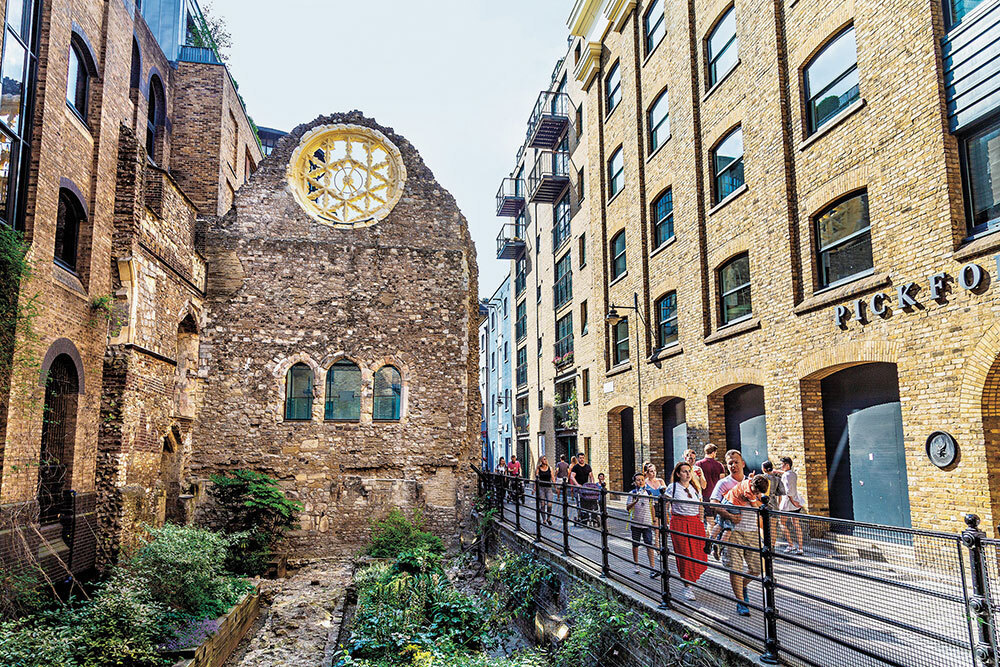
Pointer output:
x,y
791,502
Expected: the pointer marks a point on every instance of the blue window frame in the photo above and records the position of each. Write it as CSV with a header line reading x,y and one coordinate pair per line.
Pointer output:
x,y
343,392
388,394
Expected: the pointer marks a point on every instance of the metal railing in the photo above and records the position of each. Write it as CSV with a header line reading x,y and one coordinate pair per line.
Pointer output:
x,y
564,348
857,594
549,117
549,176
510,243
510,197
198,54
521,423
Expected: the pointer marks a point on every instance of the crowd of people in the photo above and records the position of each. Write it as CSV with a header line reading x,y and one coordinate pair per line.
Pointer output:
x,y
696,530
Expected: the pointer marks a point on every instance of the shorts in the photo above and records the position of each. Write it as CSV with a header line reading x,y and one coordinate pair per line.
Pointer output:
x,y
736,558
642,534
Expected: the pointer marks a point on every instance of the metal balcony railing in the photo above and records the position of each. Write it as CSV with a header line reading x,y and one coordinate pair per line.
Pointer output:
x,y
549,119
510,243
563,414
562,293
564,351
510,197
521,328
521,423
549,177
198,54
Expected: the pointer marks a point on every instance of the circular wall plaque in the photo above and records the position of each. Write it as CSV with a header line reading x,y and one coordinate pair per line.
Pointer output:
x,y
942,449
346,175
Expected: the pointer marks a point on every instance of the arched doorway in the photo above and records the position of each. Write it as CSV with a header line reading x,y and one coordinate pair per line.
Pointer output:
x,y
621,448
865,454
746,423
62,388
668,433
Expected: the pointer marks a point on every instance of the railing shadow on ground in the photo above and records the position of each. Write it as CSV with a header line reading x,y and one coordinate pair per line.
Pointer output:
x,y
860,594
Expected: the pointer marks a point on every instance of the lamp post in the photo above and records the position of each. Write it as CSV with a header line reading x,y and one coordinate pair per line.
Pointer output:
x,y
614,318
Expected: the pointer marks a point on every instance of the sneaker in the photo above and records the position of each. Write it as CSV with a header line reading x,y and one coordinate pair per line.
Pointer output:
x,y
742,609
716,552
638,571
708,548
800,552
689,594
654,574
788,550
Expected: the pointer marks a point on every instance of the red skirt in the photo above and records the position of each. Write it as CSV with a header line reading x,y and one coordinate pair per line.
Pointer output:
x,y
692,547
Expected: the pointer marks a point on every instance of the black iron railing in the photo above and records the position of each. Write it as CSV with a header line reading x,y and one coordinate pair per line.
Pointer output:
x,y
510,197
858,594
549,119
549,176
521,423
510,242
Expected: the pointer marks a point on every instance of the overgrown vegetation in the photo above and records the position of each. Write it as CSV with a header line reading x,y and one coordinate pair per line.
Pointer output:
x,y
18,338
398,533
517,580
255,515
174,580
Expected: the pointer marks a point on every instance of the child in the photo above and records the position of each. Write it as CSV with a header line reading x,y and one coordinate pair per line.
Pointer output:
x,y
745,494
600,480
640,511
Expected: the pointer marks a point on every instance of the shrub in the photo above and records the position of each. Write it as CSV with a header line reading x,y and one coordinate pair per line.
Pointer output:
x,y
397,533
518,578
183,568
122,626
255,514
600,626
20,592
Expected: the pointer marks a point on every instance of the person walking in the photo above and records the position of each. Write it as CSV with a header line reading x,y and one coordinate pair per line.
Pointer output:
x,y
516,485
581,473
562,475
775,492
687,531
654,487
640,512
543,486
794,503
697,474
713,472
743,557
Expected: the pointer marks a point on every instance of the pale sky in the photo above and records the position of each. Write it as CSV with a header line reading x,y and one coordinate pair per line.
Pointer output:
x,y
457,78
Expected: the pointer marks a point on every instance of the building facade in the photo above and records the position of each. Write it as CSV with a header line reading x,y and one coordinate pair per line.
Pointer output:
x,y
793,246
496,377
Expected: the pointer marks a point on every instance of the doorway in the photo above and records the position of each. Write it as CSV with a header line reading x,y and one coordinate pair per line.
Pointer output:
x,y
746,425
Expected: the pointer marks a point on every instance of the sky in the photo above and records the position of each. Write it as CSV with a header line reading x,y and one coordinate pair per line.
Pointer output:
x,y
458,78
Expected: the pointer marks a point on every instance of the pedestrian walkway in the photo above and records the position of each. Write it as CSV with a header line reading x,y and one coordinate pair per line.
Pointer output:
x,y
877,602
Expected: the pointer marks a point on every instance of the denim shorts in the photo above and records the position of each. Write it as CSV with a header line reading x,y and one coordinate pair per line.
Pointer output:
x,y
725,523
642,534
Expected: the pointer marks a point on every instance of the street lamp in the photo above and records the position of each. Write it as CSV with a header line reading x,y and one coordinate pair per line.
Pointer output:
x,y
613,318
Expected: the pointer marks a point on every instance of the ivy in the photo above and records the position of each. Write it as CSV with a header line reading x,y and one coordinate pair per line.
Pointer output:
x,y
518,579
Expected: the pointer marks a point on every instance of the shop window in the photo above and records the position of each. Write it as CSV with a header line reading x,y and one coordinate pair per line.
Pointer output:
x,y
831,80
343,392
659,122
388,394
727,165
618,264
666,320
663,218
723,47
844,240
613,87
734,289
616,173
298,393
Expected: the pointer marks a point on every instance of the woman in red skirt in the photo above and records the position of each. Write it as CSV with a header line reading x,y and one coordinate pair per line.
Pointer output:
x,y
684,519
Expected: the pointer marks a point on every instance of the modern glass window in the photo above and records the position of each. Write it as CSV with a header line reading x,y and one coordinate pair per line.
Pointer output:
x,y
522,366
957,9
844,240
654,25
560,223
723,47
69,219
388,396
663,218
727,165
582,249
616,173
520,277
734,289
562,289
613,87
659,122
619,342
618,265
982,177
666,320
343,392
521,320
299,393
20,51
13,83
77,79
831,79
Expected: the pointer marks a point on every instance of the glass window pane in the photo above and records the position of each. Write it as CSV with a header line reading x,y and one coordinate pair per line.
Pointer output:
x,y
15,17
388,394
655,25
298,392
736,305
838,57
836,98
847,259
730,150
613,86
7,174
959,8
842,220
667,314
12,93
735,273
724,31
723,47
659,121
663,210
621,342
984,177
725,62
343,391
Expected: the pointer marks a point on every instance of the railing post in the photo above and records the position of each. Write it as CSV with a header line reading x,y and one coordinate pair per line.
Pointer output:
x,y
565,518
605,568
515,480
985,650
770,656
538,512
501,485
664,554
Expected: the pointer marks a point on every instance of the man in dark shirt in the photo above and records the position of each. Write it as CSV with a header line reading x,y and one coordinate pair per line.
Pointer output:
x,y
713,471
581,473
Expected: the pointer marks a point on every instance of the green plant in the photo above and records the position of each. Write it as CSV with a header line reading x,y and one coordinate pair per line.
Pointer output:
x,y
20,592
600,625
518,578
255,514
123,626
397,533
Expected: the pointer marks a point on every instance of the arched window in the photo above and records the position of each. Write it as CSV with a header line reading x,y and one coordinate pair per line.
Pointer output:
x,y
831,79
154,114
727,165
135,73
723,47
69,219
299,393
616,173
78,79
666,320
734,289
844,240
663,218
343,392
659,122
62,388
388,394
618,265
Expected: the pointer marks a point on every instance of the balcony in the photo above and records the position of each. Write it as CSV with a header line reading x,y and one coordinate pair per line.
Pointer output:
x,y
565,416
549,177
510,198
521,423
199,54
564,351
549,119
562,293
510,243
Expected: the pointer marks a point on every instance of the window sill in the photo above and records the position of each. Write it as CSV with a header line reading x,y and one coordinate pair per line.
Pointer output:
x,y
721,81
297,421
618,279
611,110
733,329
730,197
341,421
658,149
655,47
619,369
671,350
386,421
615,196
855,107
68,279
79,116
978,245
862,283
663,246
